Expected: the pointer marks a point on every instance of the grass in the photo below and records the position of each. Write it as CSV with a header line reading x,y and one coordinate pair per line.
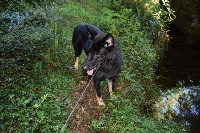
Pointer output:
x,y
36,67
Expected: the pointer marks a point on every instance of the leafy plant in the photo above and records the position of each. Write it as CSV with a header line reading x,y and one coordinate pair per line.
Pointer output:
x,y
39,106
97,125
122,116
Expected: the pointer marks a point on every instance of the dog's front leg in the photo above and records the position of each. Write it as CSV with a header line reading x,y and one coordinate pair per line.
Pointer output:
x,y
98,93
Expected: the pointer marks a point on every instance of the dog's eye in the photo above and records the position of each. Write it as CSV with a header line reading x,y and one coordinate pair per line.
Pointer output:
x,y
89,48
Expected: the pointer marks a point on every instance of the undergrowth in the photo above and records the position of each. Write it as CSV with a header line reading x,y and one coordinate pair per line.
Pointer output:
x,y
36,63
128,118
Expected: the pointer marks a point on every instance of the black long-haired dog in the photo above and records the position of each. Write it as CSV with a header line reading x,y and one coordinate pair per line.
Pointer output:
x,y
101,50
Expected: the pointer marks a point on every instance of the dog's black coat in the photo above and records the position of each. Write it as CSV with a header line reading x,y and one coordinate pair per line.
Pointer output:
x,y
101,50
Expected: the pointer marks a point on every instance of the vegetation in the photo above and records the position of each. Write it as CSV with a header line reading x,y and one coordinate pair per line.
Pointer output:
x,y
37,78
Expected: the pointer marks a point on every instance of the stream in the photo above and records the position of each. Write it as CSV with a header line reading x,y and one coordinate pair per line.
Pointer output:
x,y
178,76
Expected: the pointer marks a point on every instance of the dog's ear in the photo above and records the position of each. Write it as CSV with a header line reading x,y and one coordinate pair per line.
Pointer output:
x,y
108,41
91,33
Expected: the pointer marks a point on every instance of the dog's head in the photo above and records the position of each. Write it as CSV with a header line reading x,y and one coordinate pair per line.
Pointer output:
x,y
100,46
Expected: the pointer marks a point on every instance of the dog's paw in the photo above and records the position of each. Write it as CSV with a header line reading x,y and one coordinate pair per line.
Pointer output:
x,y
76,67
113,96
101,103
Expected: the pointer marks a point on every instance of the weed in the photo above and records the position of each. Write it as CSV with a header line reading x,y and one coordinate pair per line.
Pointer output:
x,y
97,125
122,116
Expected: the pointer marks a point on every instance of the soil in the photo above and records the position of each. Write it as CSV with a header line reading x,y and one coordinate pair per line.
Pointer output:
x,y
87,109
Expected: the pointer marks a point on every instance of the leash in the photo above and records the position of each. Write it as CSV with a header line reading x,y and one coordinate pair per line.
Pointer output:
x,y
78,100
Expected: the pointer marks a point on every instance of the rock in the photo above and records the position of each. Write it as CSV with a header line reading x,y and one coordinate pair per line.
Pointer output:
x,y
187,16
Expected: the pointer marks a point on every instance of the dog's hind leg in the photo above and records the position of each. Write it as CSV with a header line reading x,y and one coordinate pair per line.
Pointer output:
x,y
111,85
98,93
78,50
76,63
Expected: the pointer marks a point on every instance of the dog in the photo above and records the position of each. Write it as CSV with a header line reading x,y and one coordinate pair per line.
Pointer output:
x,y
102,51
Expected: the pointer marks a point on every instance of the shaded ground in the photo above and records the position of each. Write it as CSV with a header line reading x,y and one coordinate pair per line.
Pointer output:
x,y
87,109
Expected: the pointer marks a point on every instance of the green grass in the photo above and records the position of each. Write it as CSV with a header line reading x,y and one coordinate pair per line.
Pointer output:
x,y
36,64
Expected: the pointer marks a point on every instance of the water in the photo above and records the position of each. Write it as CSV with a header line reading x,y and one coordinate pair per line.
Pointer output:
x,y
181,63
179,78
181,105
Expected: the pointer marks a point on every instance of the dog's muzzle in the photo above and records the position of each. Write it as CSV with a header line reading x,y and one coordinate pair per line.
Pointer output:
x,y
89,71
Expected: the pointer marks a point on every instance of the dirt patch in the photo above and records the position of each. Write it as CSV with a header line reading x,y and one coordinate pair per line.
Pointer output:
x,y
87,109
